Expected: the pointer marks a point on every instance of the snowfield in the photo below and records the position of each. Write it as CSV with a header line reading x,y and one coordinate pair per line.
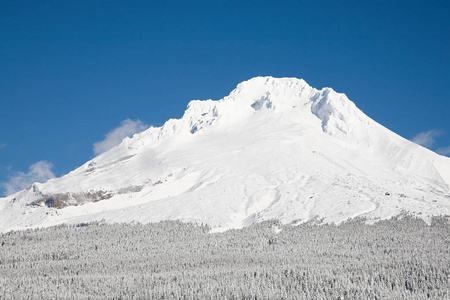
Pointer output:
x,y
275,148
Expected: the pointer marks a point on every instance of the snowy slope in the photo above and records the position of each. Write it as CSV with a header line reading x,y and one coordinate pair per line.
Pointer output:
x,y
273,148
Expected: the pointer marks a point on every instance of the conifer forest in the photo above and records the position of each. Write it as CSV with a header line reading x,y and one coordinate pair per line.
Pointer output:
x,y
400,258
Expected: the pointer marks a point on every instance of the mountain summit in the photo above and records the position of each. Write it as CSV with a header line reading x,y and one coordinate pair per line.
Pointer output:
x,y
275,148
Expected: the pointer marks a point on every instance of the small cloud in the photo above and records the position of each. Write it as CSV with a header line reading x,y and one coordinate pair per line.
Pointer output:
x,y
426,138
38,172
2,145
443,151
113,138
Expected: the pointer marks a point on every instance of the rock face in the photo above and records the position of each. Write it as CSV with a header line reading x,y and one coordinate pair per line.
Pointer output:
x,y
274,148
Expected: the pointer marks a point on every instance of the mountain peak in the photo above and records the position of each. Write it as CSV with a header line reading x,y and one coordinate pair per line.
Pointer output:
x,y
259,94
274,148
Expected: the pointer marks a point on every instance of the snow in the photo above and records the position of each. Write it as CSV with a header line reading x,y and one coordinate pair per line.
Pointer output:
x,y
275,148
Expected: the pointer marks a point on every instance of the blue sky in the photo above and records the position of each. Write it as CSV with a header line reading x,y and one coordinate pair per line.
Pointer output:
x,y
76,75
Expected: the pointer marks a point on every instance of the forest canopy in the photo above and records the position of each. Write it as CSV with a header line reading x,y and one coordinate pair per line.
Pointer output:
x,y
401,258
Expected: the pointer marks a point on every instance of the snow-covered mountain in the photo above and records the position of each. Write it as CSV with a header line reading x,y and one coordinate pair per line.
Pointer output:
x,y
274,148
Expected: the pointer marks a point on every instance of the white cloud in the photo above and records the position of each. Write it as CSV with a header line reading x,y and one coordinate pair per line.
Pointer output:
x,y
38,172
113,138
444,151
426,138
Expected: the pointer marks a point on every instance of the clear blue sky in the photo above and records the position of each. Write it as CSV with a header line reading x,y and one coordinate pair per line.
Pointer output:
x,y
71,71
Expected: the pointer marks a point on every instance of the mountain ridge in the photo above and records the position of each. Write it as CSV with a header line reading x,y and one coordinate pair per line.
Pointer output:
x,y
273,148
